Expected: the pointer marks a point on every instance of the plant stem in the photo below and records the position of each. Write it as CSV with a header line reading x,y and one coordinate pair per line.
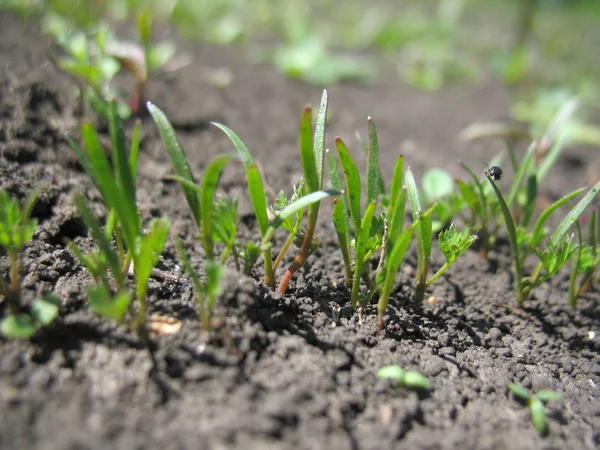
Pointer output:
x,y
283,251
438,274
304,251
14,294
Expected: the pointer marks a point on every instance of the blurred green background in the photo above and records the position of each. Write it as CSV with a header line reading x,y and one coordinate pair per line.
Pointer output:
x,y
545,51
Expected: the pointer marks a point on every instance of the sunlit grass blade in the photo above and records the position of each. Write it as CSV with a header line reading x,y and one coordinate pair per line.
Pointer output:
x,y
397,202
372,164
99,236
538,229
296,206
574,214
365,147
424,237
178,158
319,138
353,183
307,155
340,218
361,249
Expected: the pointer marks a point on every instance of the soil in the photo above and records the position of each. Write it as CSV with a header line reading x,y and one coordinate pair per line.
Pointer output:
x,y
294,371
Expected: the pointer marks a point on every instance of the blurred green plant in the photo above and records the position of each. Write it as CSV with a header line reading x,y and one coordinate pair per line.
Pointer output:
x,y
16,230
404,378
536,403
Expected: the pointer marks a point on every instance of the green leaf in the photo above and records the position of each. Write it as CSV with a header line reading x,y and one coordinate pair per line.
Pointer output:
x,y
135,150
257,197
518,391
538,230
574,214
468,195
437,183
319,138
522,170
103,304
145,28
16,228
538,415
372,164
214,276
100,237
340,215
44,310
394,372
107,184
178,158
397,202
416,380
298,205
361,249
147,252
556,255
531,199
307,155
453,244
353,183
20,326
125,180
546,395
424,235
210,181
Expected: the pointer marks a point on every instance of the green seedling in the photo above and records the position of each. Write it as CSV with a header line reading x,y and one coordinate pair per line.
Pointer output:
x,y
367,228
16,230
93,58
134,246
559,248
217,222
452,243
206,291
537,404
438,188
312,155
404,378
587,260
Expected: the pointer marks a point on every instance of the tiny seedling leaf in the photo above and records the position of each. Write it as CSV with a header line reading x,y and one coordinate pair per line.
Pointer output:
x,y
44,310
103,304
147,252
373,171
556,255
546,395
518,391
19,326
538,415
353,183
416,380
453,243
393,371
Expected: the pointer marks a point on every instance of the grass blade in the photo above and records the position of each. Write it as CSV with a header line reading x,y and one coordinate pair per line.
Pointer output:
x,y
353,184
208,188
424,237
340,217
361,249
372,164
574,214
135,150
92,223
522,171
307,155
319,138
178,158
397,202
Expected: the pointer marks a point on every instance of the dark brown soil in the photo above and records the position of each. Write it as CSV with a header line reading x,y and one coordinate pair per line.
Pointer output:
x,y
280,373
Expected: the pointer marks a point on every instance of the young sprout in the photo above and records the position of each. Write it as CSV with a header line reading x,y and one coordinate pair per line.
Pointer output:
x,y
367,228
452,243
559,248
537,404
404,378
312,153
134,246
217,221
16,230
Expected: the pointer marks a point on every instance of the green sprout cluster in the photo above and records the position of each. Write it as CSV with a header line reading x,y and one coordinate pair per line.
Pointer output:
x,y
536,403
16,230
